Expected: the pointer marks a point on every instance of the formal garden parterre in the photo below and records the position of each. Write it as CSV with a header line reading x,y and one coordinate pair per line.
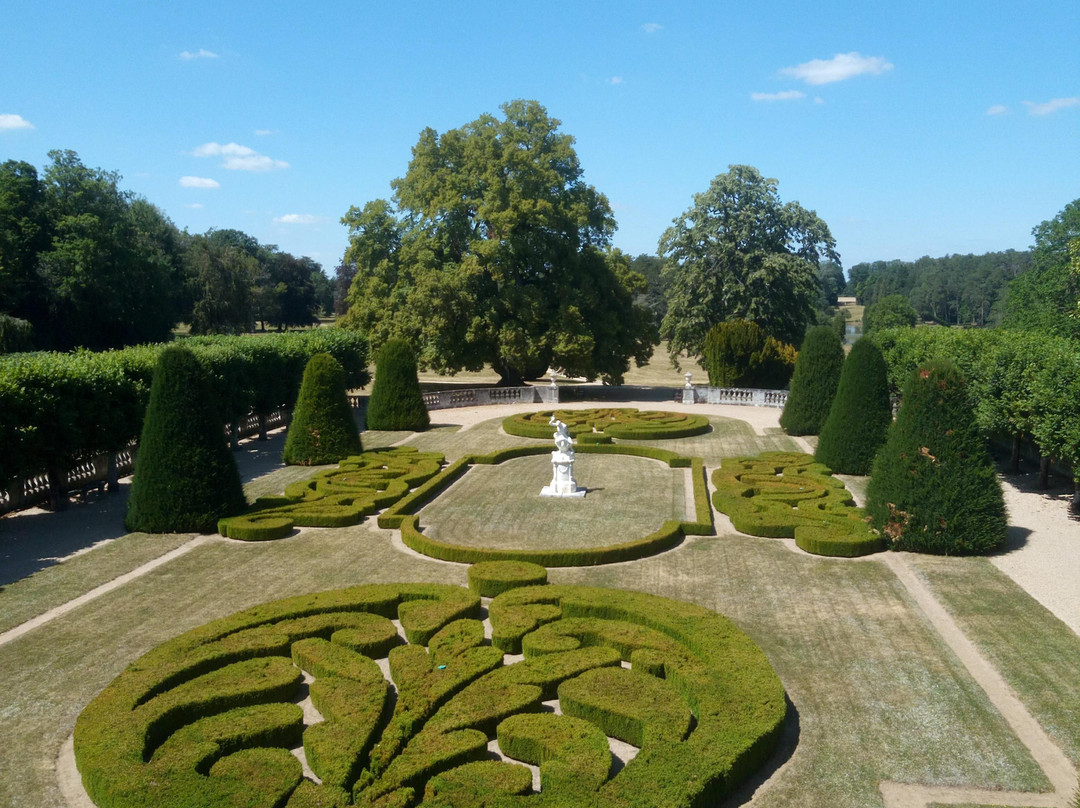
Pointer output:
x,y
208,717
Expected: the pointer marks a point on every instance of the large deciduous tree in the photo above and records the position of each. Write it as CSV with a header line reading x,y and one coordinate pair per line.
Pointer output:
x,y
739,252
495,250
1046,298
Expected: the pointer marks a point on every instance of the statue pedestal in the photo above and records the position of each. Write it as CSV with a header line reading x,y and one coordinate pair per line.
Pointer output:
x,y
562,483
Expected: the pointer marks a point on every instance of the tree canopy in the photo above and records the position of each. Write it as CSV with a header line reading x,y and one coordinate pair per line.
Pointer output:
x,y
739,252
496,250
891,311
1046,299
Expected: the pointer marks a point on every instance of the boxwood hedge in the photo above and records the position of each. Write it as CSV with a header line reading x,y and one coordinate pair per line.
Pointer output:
x,y
336,497
598,425
787,495
207,719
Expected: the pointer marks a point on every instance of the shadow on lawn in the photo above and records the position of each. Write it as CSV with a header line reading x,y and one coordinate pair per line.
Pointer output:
x,y
788,741
35,539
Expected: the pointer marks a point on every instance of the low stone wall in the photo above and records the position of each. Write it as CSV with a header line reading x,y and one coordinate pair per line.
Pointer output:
x,y
477,397
745,396
105,470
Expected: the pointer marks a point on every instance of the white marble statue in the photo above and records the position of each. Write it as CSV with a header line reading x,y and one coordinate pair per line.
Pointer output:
x,y
562,483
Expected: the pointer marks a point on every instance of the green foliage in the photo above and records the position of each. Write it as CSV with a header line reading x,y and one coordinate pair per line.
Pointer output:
x,y
55,408
185,476
402,515
1045,298
933,487
892,311
814,382
498,252
803,503
952,290
596,425
336,497
860,414
15,334
740,253
206,718
322,429
739,354
491,578
396,401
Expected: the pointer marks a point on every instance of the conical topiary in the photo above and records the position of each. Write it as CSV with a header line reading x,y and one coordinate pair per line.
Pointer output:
x,y
396,401
934,488
322,428
860,414
813,384
185,475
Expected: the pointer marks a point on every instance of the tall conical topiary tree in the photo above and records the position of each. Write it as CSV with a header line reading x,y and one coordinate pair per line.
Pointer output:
x,y
813,384
322,428
185,475
933,488
860,414
396,401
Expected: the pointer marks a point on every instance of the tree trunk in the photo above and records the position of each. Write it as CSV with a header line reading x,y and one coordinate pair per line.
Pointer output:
x,y
1014,460
112,477
508,376
1076,494
262,426
1044,472
57,493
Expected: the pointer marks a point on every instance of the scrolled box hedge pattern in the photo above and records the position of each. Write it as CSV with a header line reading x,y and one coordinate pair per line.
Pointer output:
x,y
402,515
338,497
600,425
787,495
207,719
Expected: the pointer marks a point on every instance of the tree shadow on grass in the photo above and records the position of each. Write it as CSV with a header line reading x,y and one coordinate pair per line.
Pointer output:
x,y
789,740
34,539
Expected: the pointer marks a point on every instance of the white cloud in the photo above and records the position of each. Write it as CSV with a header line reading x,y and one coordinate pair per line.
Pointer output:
x,y
296,218
841,66
198,182
651,27
615,80
818,99
201,53
784,95
1051,106
9,121
195,205
239,158
265,132
997,109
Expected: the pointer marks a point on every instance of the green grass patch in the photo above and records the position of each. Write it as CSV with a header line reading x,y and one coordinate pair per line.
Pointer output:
x,y
1037,654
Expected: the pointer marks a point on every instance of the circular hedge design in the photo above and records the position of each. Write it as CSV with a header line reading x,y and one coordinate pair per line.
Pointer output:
x,y
209,718
600,425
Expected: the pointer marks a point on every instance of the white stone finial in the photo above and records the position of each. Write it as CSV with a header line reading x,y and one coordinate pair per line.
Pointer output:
x,y
553,377
688,374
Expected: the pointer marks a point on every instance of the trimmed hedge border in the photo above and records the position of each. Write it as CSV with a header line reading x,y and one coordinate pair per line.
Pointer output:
x,y
206,719
600,425
787,495
402,515
338,497
491,578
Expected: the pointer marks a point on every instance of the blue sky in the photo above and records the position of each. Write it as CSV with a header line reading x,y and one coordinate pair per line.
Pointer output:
x,y
917,128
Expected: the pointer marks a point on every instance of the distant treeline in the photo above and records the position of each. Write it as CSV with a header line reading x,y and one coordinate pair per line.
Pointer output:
x,y
954,290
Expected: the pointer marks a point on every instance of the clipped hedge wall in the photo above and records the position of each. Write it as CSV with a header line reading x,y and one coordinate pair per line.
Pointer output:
x,y
322,429
595,425
207,719
814,381
336,497
185,475
402,515
57,407
491,578
804,503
